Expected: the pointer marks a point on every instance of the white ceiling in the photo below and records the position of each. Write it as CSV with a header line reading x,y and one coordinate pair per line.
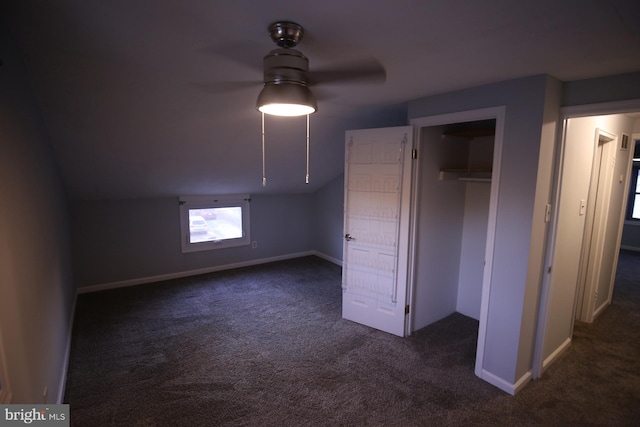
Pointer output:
x,y
130,89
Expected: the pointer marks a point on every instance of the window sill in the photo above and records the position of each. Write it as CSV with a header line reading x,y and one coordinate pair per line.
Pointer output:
x,y
634,223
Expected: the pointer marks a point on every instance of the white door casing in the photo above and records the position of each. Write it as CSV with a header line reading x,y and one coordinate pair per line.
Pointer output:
x,y
569,238
563,249
376,221
597,217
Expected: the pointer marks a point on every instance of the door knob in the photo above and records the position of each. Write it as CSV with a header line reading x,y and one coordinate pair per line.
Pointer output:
x,y
348,237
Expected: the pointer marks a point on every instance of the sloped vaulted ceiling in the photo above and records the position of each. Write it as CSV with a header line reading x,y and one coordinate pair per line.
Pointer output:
x,y
136,95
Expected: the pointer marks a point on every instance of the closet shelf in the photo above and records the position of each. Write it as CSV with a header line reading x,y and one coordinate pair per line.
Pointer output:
x,y
473,175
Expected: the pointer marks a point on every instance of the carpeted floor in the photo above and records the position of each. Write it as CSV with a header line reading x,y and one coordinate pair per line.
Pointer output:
x,y
266,346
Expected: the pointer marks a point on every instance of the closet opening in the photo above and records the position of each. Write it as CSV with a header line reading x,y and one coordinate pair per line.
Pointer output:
x,y
455,194
456,182
455,165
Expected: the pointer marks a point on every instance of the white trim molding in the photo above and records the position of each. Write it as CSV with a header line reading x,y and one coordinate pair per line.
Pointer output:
x,y
506,386
555,355
326,257
180,274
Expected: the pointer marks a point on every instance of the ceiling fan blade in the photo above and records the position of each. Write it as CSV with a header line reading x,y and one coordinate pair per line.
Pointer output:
x,y
244,53
367,71
225,87
321,94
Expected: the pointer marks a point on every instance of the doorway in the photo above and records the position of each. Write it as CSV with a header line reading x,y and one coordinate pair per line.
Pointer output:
x,y
597,266
588,213
455,196
455,163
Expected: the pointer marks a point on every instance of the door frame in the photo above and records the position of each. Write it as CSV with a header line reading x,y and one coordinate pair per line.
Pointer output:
x,y
596,223
566,113
497,113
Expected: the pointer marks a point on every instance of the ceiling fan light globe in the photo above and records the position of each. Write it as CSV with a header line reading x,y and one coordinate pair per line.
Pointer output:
x,y
286,99
287,110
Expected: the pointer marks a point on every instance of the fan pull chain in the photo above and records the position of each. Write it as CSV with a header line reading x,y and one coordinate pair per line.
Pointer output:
x,y
264,169
264,173
307,178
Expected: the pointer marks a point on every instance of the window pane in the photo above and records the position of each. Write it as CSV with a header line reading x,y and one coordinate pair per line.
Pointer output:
x,y
636,207
638,183
213,224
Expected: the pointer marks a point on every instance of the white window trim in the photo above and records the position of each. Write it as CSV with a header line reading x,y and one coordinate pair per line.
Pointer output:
x,y
213,201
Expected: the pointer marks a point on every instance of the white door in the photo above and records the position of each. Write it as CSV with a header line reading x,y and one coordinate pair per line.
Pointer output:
x,y
376,220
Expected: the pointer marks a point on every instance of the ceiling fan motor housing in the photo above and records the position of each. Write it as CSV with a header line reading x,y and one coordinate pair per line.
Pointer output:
x,y
286,73
286,66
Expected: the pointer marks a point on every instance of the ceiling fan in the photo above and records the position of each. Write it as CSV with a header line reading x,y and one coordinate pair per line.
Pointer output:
x,y
287,78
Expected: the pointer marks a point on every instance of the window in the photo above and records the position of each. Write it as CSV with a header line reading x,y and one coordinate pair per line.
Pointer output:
x,y
214,222
633,206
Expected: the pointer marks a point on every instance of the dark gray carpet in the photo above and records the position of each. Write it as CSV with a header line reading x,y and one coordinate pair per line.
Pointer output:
x,y
266,346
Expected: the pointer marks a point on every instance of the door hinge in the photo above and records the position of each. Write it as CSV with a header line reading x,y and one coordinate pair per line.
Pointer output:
x,y
414,153
406,309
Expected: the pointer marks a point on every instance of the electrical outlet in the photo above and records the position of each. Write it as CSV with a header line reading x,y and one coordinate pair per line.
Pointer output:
x,y
45,395
254,244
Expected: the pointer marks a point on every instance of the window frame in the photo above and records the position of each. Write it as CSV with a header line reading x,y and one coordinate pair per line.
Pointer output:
x,y
214,201
635,171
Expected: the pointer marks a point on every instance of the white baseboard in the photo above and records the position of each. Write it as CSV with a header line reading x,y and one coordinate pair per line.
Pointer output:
x,y
62,385
600,309
180,274
524,380
504,385
328,258
557,353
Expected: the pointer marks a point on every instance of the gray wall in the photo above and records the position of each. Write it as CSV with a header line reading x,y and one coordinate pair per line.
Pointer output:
x,y
132,240
35,275
121,240
526,171
328,224
604,89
